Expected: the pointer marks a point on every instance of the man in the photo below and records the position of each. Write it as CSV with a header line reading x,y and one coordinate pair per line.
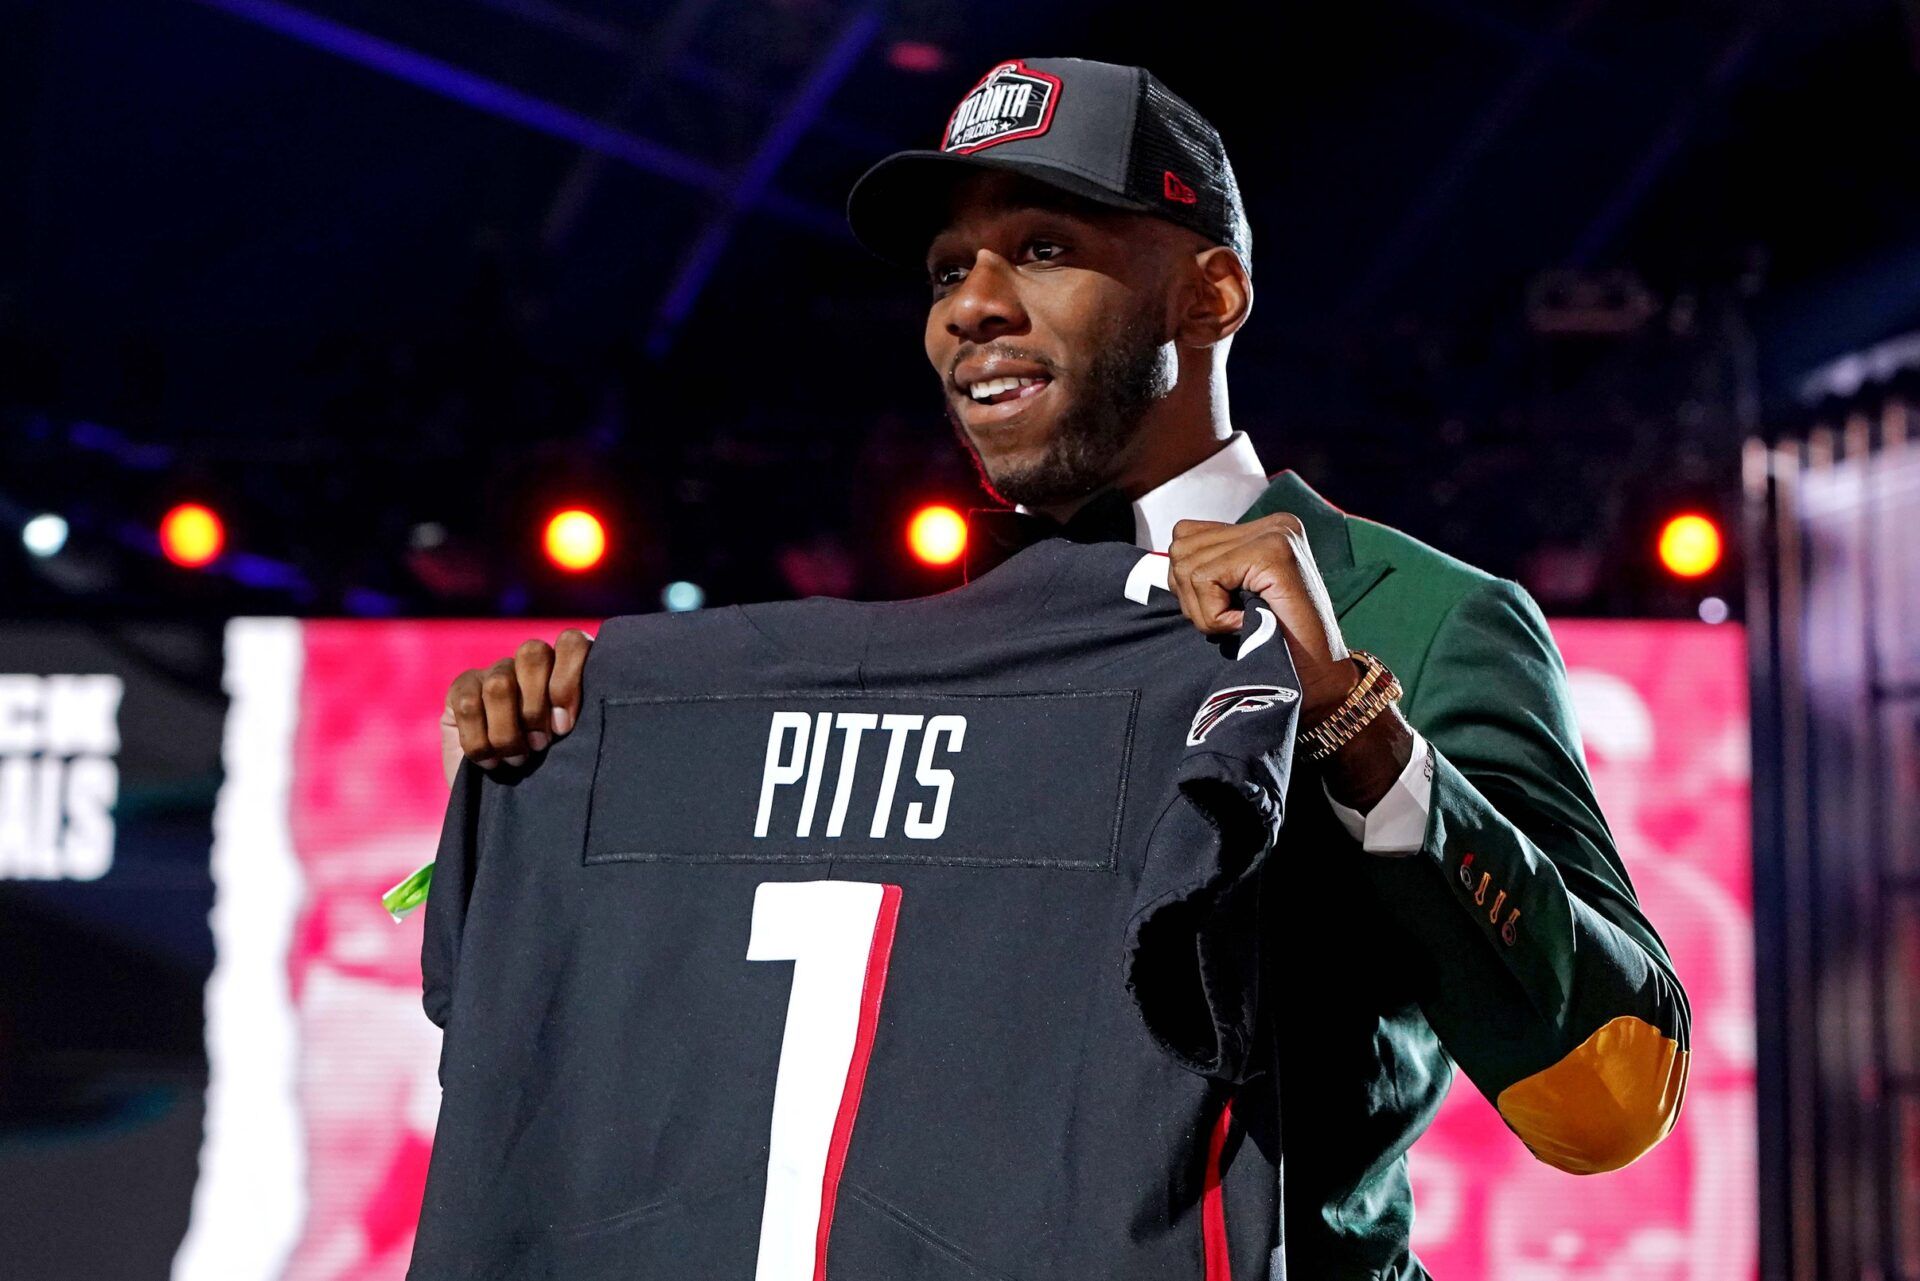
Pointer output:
x,y
1459,895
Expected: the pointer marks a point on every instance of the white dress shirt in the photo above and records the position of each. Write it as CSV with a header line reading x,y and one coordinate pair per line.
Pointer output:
x,y
1221,487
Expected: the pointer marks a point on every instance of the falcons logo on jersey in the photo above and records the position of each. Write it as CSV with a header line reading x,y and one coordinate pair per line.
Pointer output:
x,y
1241,698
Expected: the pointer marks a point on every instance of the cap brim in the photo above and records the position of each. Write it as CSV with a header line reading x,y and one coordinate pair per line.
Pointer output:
x,y
899,205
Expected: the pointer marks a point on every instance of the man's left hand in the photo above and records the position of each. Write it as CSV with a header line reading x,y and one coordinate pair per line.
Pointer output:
x,y
1270,558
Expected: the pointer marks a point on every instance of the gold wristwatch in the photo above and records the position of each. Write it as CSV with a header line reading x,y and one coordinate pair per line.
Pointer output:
x,y
1378,688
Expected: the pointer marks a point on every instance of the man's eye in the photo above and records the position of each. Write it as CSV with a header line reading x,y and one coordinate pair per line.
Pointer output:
x,y
1045,250
945,277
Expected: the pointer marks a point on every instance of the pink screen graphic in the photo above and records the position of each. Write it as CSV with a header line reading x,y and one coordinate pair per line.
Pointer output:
x,y
368,797
1663,715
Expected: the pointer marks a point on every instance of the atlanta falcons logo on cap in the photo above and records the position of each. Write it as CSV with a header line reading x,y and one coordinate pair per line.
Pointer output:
x,y
1013,101
1241,698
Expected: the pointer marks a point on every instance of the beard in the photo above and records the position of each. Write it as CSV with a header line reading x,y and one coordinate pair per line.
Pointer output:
x,y
1130,372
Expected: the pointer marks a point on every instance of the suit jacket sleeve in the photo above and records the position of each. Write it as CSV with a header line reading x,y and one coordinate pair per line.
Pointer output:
x,y
1541,975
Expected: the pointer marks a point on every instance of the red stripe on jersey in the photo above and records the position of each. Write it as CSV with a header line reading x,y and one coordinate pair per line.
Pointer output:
x,y
1213,1206
870,993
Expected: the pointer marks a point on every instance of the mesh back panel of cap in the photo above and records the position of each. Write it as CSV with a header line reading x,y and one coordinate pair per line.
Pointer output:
x,y
1173,136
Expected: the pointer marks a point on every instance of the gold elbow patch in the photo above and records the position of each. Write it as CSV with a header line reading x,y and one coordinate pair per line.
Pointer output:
x,y
1604,1105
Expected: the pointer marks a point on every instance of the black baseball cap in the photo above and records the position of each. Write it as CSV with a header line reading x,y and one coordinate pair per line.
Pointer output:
x,y
1112,134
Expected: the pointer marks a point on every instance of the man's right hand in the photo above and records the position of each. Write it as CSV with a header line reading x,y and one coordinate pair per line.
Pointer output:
x,y
516,707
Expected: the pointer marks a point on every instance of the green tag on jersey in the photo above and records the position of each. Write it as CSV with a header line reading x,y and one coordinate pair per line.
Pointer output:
x,y
408,894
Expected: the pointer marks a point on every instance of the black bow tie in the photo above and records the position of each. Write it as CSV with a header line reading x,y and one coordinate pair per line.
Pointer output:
x,y
996,535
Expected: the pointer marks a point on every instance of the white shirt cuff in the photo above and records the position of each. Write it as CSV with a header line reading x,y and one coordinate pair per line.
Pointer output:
x,y
1398,823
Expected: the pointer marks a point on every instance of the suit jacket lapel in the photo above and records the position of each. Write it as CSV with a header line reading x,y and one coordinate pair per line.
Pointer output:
x,y
1327,535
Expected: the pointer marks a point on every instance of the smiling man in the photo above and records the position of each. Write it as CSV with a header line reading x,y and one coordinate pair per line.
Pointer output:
x,y
1050,323
1452,893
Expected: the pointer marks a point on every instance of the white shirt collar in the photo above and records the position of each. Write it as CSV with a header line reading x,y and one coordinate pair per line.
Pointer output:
x,y
1219,487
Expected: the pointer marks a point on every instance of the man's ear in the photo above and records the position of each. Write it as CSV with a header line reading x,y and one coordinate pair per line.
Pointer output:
x,y
1219,300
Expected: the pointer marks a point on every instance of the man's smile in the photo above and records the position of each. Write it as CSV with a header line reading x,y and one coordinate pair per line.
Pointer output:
x,y
994,389
997,391
1000,401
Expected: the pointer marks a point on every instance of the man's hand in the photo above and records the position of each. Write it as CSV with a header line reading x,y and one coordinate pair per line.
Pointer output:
x,y
1270,558
517,706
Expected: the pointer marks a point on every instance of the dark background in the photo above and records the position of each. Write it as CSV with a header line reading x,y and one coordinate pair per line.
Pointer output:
x,y
1527,274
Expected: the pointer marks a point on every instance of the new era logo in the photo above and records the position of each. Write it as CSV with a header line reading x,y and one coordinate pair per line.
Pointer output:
x,y
1241,698
1012,102
1174,189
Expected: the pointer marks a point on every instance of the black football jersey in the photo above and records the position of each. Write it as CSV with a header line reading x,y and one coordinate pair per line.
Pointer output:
x,y
873,942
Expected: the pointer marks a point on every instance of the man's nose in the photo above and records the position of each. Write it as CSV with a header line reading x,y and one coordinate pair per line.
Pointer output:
x,y
987,303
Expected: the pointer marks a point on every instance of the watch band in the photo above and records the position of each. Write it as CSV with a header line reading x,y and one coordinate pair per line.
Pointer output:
x,y
1378,689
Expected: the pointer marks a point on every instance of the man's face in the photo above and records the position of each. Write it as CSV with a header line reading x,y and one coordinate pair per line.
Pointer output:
x,y
1071,300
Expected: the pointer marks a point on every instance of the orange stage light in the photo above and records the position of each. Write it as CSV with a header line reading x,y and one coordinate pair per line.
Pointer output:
x,y
576,541
191,535
937,535
1689,545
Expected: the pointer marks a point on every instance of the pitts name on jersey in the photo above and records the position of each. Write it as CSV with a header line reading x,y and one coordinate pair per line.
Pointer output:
x,y
795,761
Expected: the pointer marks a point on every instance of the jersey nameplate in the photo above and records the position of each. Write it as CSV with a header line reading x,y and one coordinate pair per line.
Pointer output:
x,y
1034,780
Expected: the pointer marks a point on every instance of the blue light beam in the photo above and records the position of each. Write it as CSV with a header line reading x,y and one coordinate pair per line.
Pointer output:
x,y
508,103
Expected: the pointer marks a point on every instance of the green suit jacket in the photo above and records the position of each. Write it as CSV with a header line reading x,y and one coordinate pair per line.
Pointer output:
x,y
1510,943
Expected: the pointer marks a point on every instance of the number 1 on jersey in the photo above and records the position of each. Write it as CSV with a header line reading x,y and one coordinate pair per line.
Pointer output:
x,y
839,935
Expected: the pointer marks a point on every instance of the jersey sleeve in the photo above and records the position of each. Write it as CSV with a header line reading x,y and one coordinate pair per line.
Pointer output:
x,y
1192,948
454,867
1540,972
